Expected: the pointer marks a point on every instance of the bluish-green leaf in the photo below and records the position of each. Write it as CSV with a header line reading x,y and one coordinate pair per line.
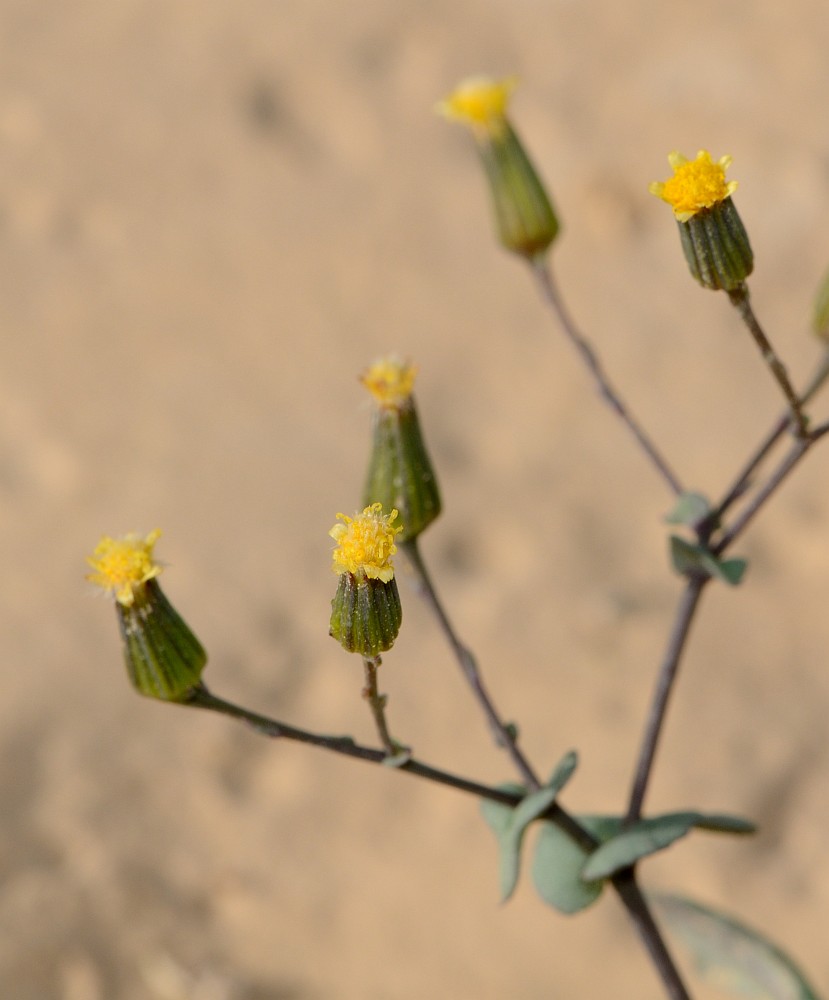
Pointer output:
x,y
496,815
731,956
498,818
717,823
690,509
731,571
558,861
689,558
632,844
651,835
685,557
563,771
510,824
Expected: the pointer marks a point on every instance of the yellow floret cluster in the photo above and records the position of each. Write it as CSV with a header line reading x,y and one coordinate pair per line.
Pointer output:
x,y
390,381
123,565
479,102
696,184
365,543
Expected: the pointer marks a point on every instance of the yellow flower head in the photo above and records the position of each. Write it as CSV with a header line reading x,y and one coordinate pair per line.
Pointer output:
x,y
695,185
479,102
390,381
365,543
123,565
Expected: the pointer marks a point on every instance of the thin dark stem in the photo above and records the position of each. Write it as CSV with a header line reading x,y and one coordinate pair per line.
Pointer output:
x,y
662,693
628,890
504,736
624,882
740,300
551,296
684,618
377,704
817,381
345,745
758,501
690,600
743,479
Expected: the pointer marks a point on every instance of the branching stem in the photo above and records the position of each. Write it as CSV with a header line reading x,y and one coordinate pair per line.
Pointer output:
x,y
775,480
624,882
743,479
202,698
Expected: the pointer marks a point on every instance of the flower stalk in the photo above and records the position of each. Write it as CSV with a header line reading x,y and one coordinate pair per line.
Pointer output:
x,y
551,296
740,300
504,735
377,703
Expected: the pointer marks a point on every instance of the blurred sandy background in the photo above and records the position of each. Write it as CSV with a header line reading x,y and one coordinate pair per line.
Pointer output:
x,y
213,216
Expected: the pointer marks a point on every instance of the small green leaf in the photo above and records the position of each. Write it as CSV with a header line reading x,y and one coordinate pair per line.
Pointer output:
x,y
731,571
498,818
685,557
563,771
689,558
689,509
651,835
646,837
558,861
717,823
530,808
510,825
602,827
731,956
497,815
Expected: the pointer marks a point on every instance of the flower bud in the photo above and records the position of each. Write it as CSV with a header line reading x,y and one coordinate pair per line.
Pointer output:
x,y
525,219
365,611
400,474
714,240
820,316
164,659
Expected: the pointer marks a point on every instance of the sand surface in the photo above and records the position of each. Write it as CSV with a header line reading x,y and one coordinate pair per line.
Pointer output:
x,y
213,217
